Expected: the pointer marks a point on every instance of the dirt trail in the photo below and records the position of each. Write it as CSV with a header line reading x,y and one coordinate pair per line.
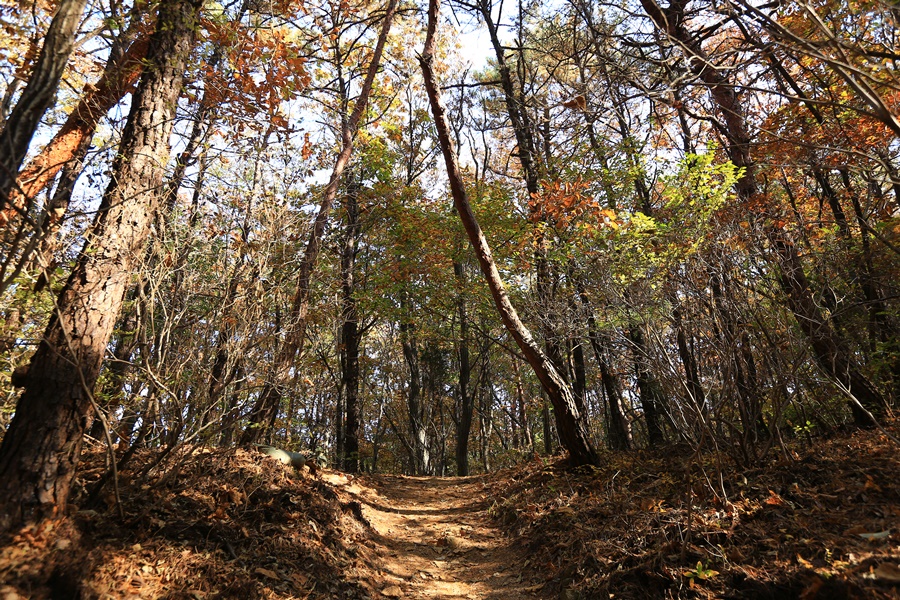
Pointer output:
x,y
434,540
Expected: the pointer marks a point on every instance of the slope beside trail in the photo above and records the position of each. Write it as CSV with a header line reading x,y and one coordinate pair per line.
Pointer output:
x,y
433,539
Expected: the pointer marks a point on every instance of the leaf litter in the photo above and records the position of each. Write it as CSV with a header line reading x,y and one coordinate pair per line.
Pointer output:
x,y
820,523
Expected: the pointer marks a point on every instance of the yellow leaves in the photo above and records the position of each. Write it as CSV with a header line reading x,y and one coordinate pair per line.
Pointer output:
x,y
609,218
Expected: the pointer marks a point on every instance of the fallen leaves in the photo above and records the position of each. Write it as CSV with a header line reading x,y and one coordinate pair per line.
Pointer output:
x,y
213,532
266,573
822,523
887,572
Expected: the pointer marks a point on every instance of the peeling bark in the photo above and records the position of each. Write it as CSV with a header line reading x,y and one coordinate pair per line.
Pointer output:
x,y
38,94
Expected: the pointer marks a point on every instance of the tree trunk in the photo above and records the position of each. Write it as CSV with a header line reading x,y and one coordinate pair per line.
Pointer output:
x,y
38,94
41,448
648,387
350,334
414,403
570,422
694,386
521,410
465,400
72,141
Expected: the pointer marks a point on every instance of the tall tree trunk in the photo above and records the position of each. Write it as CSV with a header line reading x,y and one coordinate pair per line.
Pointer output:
x,y
415,405
41,448
465,400
570,422
38,94
350,333
485,409
266,409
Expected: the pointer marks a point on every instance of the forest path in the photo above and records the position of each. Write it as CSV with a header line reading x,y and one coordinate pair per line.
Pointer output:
x,y
434,540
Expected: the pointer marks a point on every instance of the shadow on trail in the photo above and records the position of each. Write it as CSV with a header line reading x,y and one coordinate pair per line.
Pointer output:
x,y
433,540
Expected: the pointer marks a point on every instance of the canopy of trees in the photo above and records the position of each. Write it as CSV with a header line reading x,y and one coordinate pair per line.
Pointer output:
x,y
303,223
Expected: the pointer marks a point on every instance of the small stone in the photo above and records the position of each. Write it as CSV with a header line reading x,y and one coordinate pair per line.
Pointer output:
x,y
392,591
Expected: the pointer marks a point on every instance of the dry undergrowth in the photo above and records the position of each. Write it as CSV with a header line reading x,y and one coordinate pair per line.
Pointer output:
x,y
228,524
823,523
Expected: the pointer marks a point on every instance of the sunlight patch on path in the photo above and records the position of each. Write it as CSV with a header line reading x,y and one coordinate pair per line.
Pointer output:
x,y
434,540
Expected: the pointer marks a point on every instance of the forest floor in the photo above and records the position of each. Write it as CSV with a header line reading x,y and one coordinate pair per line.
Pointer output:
x,y
817,519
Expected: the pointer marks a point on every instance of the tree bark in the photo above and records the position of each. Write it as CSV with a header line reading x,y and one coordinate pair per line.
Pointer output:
x,y
465,400
350,334
38,94
72,141
415,406
570,422
41,448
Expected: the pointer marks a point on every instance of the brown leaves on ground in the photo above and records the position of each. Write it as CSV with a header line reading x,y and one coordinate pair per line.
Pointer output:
x,y
227,524
821,523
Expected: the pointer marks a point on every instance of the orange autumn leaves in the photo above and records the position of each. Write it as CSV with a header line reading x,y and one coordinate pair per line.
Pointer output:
x,y
266,67
563,205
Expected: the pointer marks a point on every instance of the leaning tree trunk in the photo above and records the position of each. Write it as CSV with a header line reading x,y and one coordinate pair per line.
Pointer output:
x,y
38,94
266,408
71,142
41,448
570,422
